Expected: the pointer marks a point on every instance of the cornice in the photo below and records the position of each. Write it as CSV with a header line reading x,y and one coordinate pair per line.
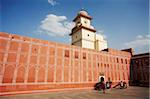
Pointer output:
x,y
82,15
77,28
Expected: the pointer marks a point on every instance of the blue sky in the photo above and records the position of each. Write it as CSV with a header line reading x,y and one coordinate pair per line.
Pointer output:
x,y
123,22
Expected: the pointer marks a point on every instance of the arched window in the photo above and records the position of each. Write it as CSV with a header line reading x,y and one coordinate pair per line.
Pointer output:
x,y
66,53
76,54
117,60
84,55
121,60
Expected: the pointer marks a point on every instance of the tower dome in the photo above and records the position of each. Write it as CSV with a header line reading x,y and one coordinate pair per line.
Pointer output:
x,y
83,12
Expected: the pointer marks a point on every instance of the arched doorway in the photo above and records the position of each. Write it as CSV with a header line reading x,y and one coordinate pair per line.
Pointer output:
x,y
102,79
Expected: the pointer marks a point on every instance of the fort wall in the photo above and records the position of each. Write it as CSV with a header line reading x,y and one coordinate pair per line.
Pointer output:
x,y
33,65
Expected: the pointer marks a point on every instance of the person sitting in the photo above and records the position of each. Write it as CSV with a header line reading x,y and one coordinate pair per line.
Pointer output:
x,y
108,84
121,84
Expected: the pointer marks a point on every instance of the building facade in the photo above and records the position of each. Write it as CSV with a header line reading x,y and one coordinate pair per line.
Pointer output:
x,y
140,69
84,34
30,65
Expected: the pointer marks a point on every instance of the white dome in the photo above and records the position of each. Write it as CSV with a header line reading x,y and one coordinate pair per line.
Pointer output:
x,y
83,12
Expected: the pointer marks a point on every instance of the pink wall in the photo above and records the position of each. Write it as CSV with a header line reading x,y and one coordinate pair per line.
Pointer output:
x,y
28,65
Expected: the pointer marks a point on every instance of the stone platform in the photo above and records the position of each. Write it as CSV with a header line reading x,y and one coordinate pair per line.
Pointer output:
x,y
129,93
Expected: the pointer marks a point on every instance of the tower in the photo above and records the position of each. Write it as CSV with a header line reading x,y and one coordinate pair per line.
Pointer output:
x,y
83,34
100,42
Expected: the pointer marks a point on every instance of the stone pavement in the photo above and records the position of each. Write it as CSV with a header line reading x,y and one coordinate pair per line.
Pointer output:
x,y
129,93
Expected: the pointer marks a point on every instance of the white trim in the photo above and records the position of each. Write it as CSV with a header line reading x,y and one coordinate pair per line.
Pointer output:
x,y
55,64
92,65
73,58
97,69
17,62
63,59
79,65
40,91
87,67
37,66
5,60
99,52
28,62
39,83
108,54
47,62
22,41
70,57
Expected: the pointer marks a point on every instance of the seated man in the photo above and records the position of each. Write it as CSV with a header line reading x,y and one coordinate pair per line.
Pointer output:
x,y
121,84
108,83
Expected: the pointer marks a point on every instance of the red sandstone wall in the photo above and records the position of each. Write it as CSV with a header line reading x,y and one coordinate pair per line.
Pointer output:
x,y
140,70
28,64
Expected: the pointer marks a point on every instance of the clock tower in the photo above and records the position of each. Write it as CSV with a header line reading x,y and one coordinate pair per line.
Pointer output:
x,y
83,34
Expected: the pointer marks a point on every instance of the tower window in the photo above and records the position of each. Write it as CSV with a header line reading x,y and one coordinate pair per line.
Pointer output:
x,y
117,60
76,54
66,53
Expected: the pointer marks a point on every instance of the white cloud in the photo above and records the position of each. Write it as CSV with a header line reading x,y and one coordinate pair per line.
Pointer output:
x,y
139,37
52,2
101,32
148,35
54,25
139,42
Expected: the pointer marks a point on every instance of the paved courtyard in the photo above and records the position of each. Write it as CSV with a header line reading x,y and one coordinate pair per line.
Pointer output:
x,y
129,93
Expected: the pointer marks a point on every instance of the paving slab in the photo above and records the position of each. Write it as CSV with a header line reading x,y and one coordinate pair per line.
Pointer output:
x,y
129,93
